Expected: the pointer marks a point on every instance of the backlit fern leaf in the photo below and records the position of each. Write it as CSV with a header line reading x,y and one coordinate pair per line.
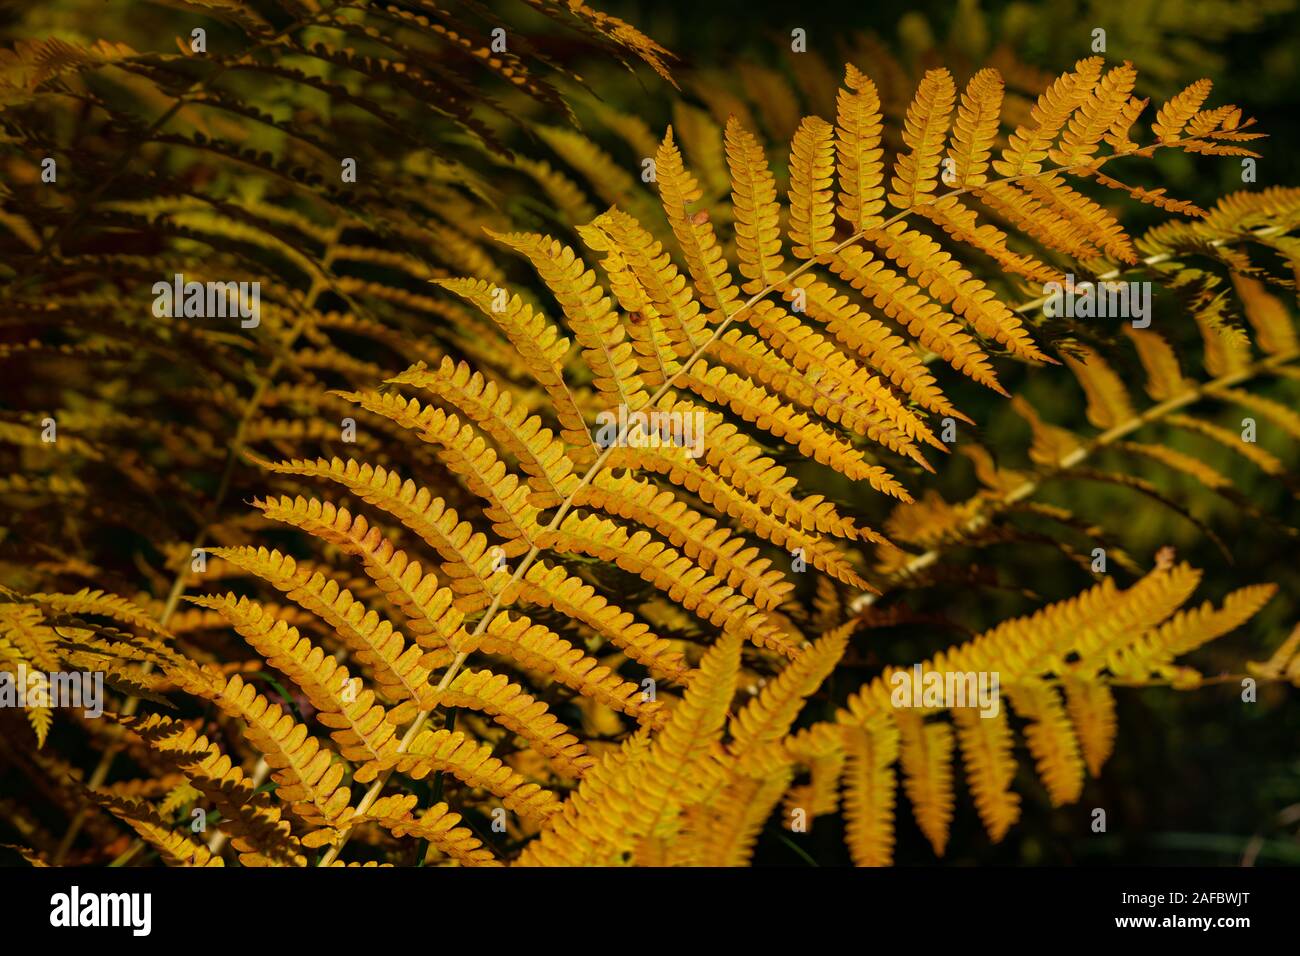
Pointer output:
x,y
810,411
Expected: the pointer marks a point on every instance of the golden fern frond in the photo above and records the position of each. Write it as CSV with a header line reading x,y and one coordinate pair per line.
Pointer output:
x,y
431,616
722,829
1080,646
436,824
1173,116
916,172
595,325
87,601
1164,376
678,190
1030,143
812,207
668,291
1108,401
768,717
1275,333
1096,116
664,567
1187,630
673,770
859,126
541,650
723,821
1267,462
986,749
467,557
539,345
307,779
376,644
466,454
699,537
755,209
869,787
1282,663
925,753
176,849
540,455
435,751
820,796
822,396
1092,711
590,827
361,727
520,713
1051,740
252,819
975,129
548,586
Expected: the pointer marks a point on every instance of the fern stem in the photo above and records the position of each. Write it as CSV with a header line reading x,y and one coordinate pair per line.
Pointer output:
x,y
1158,258
669,383
1022,491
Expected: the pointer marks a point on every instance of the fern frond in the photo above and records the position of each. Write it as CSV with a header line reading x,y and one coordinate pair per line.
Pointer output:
x,y
859,168
678,189
520,713
543,459
975,129
374,641
361,727
869,786
307,779
986,748
553,587
767,719
434,751
675,768
812,208
678,577
755,209
176,849
542,349
436,824
916,172
466,554
1108,400
925,752
1172,117
1092,711
1051,739
257,827
538,649
595,325
431,617
465,453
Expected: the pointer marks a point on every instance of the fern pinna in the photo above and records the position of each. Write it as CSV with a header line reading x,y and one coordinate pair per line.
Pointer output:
x,y
476,625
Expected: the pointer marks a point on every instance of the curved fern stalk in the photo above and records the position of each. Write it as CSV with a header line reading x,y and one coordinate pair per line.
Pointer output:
x,y
1265,232
913,184
987,509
